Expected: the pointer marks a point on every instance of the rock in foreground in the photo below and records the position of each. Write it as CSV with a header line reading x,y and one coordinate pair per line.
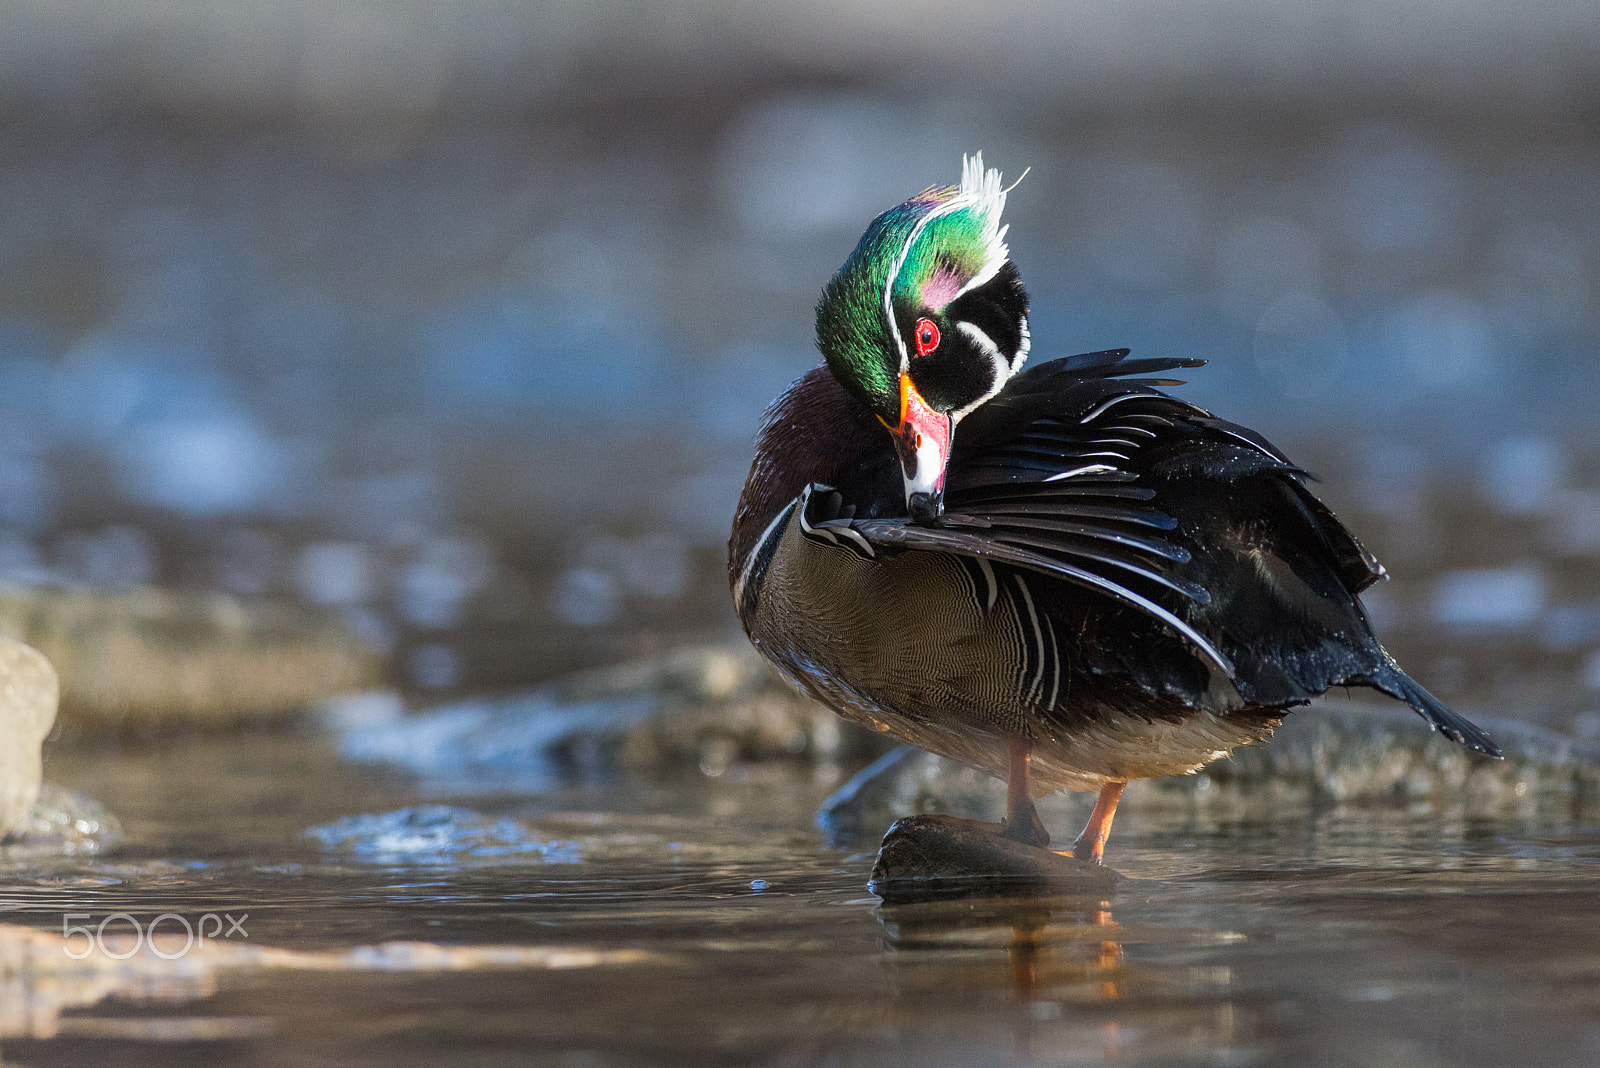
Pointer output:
x,y
28,694
61,823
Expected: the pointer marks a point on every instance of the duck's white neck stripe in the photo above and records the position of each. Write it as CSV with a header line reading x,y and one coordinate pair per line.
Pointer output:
x,y
1002,367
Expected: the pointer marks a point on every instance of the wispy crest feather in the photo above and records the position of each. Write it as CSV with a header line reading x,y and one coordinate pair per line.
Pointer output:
x,y
983,190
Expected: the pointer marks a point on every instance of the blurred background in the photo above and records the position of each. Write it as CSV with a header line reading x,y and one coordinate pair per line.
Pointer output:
x,y
456,320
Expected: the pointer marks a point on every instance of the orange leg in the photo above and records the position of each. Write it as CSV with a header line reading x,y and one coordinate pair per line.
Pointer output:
x,y
1091,844
1022,823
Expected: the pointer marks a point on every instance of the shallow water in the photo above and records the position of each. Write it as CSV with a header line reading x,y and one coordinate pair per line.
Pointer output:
x,y
479,376
704,921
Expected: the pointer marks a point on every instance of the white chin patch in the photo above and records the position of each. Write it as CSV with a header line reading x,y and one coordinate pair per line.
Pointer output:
x,y
930,469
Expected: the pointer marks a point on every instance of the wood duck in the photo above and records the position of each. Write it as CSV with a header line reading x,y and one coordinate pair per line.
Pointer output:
x,y
1091,582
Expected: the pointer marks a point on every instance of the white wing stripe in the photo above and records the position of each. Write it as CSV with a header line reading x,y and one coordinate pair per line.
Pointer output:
x,y
994,587
1090,469
1038,639
1055,658
855,536
1107,403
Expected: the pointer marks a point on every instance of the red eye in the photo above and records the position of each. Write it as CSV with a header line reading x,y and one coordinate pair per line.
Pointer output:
x,y
927,336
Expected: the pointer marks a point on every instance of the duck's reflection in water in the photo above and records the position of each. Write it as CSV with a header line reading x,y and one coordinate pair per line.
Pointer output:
x,y
1101,964
1062,962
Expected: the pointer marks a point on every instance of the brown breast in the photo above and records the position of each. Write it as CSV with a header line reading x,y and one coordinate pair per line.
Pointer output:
x,y
807,435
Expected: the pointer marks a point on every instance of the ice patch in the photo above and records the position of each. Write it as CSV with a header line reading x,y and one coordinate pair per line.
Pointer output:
x,y
434,666
1574,527
1502,598
438,835
434,589
335,572
1440,339
1590,672
205,464
363,711
585,597
1401,193
1523,475
809,163
525,743
1300,344
1570,626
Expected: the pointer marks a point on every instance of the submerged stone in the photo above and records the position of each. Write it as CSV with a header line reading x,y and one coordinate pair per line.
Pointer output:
x,y
147,655
28,693
939,856
61,823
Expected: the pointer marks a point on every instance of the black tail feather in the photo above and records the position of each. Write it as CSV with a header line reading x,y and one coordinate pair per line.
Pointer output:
x,y
1448,722
1110,363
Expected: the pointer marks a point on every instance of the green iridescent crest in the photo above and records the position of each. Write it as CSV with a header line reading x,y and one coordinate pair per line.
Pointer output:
x,y
918,255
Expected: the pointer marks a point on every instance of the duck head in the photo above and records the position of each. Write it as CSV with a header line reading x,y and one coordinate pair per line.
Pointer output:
x,y
926,320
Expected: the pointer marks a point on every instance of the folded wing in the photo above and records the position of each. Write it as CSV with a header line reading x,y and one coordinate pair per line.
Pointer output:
x,y
1156,541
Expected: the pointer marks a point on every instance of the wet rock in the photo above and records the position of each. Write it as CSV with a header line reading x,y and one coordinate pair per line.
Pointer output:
x,y
700,708
938,856
439,835
1336,751
61,823
148,655
28,693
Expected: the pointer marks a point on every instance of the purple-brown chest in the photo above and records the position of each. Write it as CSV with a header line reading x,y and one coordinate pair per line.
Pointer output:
x,y
807,435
